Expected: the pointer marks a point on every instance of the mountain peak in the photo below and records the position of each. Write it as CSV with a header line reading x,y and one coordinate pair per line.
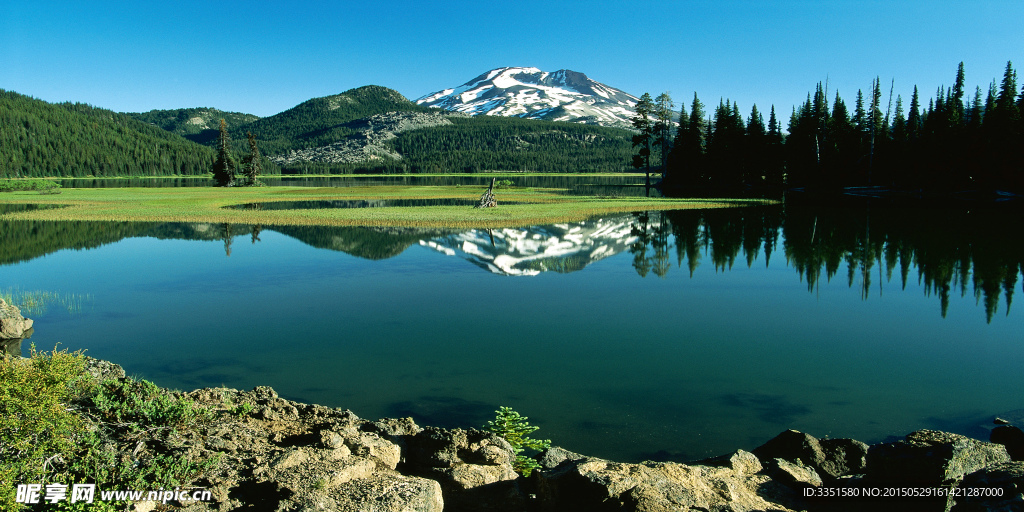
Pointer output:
x,y
529,92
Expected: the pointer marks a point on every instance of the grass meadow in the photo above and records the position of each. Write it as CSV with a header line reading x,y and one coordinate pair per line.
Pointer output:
x,y
190,204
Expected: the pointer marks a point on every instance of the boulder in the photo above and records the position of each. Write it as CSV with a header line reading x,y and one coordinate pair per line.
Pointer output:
x,y
1012,438
552,457
830,458
931,458
793,474
741,461
473,467
13,326
436,447
999,487
386,493
591,484
103,370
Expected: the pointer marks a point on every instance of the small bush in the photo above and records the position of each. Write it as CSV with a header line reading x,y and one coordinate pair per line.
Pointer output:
x,y
515,429
38,427
43,186
58,425
140,405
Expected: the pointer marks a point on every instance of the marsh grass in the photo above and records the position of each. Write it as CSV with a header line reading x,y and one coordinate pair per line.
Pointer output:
x,y
37,302
207,205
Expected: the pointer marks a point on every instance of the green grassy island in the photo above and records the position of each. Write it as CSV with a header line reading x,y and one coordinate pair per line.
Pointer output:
x,y
531,206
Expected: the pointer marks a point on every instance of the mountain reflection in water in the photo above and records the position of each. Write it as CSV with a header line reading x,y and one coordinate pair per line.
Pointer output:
x,y
872,248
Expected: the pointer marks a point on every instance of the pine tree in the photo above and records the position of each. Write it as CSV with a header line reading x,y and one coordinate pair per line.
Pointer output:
x,y
662,130
253,162
775,165
688,150
755,149
224,167
914,117
642,122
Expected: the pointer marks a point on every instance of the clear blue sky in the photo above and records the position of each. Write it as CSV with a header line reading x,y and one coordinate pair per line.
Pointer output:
x,y
261,59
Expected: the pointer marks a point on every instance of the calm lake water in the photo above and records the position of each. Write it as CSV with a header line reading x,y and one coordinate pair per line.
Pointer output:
x,y
661,335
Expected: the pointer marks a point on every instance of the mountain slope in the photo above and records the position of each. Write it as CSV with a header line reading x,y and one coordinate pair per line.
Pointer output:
x,y
322,121
196,124
563,95
73,139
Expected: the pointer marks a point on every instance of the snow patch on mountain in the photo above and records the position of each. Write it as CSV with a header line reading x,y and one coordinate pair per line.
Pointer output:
x,y
563,95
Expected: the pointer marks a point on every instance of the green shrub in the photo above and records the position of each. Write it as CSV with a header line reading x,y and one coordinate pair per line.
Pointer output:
x,y
58,425
140,405
38,426
515,429
43,186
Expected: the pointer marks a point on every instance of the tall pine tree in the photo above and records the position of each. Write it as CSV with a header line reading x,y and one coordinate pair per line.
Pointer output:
x,y
645,137
224,166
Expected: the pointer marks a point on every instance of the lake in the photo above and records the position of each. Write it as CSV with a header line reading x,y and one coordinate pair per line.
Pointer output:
x,y
660,335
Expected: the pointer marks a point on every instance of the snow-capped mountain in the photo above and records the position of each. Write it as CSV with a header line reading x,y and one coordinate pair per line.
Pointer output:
x,y
529,251
563,95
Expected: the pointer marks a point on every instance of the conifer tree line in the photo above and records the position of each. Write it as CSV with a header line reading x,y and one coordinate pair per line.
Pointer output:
x,y
957,142
40,139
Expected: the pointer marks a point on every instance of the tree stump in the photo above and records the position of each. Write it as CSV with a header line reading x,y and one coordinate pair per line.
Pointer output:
x,y
487,200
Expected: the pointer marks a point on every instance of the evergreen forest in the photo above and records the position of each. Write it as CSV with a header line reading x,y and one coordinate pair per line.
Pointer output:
x,y
957,142
195,124
41,139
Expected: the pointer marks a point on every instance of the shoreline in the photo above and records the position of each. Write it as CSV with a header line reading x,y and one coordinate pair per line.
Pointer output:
x,y
270,453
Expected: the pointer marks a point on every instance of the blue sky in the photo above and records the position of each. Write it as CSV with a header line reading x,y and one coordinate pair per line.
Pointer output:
x,y
263,59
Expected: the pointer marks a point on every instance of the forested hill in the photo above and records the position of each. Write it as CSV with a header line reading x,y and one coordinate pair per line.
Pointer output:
x,y
321,121
73,139
196,124
513,144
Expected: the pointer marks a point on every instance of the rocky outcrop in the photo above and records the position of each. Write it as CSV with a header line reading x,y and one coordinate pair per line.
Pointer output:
x,y
996,488
284,455
1012,438
13,326
276,454
829,458
932,458
369,141
591,484
473,467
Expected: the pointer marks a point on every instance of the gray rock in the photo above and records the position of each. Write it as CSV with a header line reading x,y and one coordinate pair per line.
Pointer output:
x,y
793,474
103,370
996,488
1012,438
843,457
552,457
830,458
599,485
741,461
372,446
473,467
929,457
389,493
12,325
398,427
444,448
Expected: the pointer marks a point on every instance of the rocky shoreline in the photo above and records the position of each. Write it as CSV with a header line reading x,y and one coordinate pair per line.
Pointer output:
x,y
280,455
